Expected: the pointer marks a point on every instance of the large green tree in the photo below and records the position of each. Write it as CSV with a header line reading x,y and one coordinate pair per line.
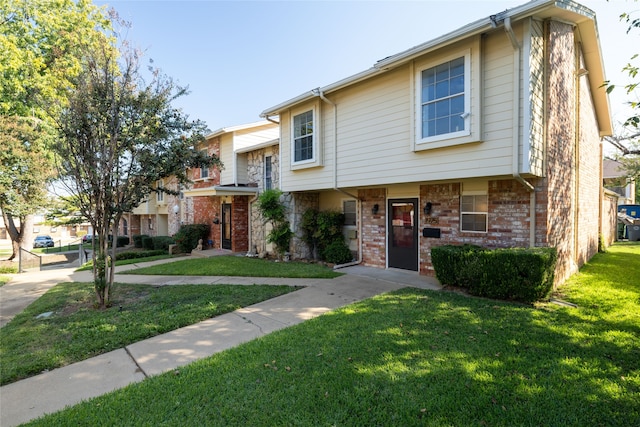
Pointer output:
x,y
119,135
41,42
25,170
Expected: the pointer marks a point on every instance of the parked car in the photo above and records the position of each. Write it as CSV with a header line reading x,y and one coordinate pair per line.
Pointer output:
x,y
87,238
43,242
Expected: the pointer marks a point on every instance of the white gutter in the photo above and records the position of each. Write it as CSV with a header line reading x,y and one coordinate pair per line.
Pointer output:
x,y
517,53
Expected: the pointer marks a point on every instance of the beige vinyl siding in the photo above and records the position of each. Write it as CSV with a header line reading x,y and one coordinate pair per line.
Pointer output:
x,y
255,136
375,122
226,155
314,178
242,168
536,99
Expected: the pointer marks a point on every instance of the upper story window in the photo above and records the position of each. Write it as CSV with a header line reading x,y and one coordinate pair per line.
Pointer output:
x,y
268,180
204,172
445,100
303,137
159,193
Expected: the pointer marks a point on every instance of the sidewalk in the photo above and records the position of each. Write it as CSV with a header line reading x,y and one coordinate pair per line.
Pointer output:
x,y
52,391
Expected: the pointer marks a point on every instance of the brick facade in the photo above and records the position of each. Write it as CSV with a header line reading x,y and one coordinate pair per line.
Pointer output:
x,y
240,224
374,235
509,221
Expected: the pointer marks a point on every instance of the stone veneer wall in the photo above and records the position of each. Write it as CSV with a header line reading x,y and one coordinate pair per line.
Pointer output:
x,y
297,204
255,167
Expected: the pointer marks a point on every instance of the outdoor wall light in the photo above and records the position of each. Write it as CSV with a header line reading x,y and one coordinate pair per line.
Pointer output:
x,y
176,209
375,209
427,208
216,220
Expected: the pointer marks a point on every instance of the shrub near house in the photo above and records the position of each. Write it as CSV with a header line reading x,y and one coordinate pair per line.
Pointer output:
x,y
518,274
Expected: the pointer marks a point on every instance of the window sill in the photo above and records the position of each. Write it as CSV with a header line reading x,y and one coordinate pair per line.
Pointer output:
x,y
445,142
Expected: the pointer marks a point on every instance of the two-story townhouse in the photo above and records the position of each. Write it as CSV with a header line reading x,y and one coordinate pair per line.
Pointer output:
x,y
157,215
224,198
489,135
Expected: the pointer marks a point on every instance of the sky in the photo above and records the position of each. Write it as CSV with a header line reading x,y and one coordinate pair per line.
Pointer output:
x,y
239,58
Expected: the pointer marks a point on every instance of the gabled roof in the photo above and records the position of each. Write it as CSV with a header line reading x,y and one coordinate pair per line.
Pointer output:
x,y
237,128
566,10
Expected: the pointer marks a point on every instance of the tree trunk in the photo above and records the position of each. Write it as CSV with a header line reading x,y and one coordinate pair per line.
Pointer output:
x,y
20,238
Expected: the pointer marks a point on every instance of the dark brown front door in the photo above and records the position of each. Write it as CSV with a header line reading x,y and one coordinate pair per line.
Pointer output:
x,y
226,226
403,234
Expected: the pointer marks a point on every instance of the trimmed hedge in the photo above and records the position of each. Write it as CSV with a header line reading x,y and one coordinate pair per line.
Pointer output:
x,y
134,255
520,274
162,242
137,240
147,243
337,252
122,241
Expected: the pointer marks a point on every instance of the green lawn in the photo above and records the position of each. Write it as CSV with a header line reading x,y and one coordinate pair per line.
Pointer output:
x,y
417,358
77,331
89,265
238,266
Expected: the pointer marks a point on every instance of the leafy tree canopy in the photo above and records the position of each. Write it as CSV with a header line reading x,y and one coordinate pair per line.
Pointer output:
x,y
40,42
119,135
628,140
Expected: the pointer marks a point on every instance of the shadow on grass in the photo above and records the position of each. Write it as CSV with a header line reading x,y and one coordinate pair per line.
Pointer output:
x,y
415,357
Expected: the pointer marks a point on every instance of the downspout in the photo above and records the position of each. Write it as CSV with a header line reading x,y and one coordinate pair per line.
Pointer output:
x,y
515,167
250,234
271,120
320,94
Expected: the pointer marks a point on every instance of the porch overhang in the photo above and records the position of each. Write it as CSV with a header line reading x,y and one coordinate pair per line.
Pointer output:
x,y
219,190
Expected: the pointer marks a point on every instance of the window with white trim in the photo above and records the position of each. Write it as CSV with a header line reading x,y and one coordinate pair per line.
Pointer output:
x,y
268,170
159,193
350,212
204,172
443,101
474,212
443,98
303,137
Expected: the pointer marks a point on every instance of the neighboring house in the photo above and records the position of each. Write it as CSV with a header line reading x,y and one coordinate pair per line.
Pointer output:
x,y
224,198
615,179
158,215
488,135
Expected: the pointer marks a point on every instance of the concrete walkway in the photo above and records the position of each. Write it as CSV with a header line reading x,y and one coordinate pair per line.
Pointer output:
x,y
51,391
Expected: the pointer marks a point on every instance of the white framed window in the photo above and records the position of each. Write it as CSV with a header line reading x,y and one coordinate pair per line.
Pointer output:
x,y
204,172
159,193
349,210
303,137
474,212
268,170
445,100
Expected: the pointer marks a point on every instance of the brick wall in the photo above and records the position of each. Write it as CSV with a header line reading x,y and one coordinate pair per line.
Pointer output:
x,y
589,177
240,224
509,221
373,227
205,209
559,186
